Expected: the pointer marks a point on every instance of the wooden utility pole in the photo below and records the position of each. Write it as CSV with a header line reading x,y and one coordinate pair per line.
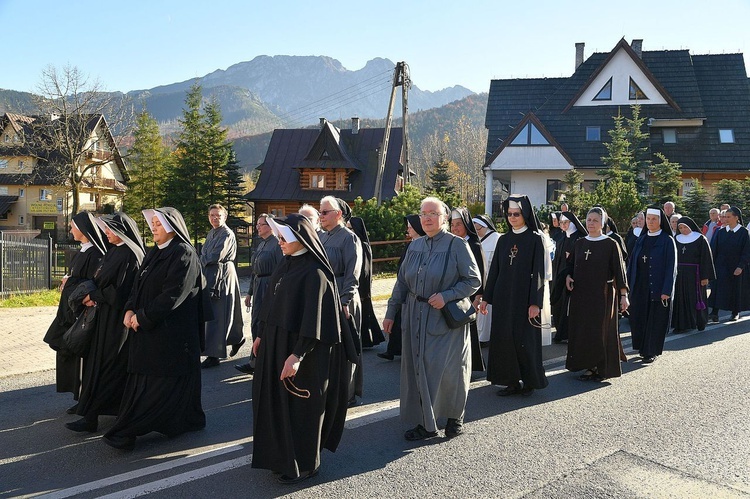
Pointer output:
x,y
400,79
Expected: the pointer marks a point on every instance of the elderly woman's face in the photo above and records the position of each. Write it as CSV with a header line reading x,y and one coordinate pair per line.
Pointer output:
x,y
673,223
594,224
160,234
458,228
432,217
289,248
216,217
329,216
653,222
112,237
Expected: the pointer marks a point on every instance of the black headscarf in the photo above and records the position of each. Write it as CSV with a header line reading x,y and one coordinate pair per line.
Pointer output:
x,y
527,210
577,223
174,217
86,223
346,211
126,229
689,222
612,226
664,224
466,219
487,221
358,227
415,223
737,212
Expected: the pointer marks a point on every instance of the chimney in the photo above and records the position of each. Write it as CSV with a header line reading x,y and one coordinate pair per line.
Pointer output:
x,y
637,46
355,125
322,122
579,53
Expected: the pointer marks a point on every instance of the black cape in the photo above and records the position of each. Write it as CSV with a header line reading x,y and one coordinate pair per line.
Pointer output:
x,y
694,264
300,314
372,333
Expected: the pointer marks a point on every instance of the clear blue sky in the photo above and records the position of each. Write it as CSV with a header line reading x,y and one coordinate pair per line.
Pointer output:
x,y
141,44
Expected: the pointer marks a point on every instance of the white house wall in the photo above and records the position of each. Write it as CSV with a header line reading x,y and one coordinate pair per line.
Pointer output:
x,y
534,183
530,157
620,68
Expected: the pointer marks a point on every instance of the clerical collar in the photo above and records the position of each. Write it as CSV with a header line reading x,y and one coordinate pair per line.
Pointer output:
x,y
598,238
681,238
300,252
86,246
164,245
736,228
521,230
655,233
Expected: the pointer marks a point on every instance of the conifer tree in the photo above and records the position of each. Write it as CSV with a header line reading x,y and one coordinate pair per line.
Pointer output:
x,y
148,165
233,186
439,176
697,202
667,178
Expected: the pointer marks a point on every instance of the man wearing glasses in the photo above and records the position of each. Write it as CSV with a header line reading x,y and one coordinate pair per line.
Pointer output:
x,y
515,289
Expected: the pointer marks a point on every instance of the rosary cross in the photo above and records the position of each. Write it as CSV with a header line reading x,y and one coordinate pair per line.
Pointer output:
x,y
513,253
645,258
683,249
587,253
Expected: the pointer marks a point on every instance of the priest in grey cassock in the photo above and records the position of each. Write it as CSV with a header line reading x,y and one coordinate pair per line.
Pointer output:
x,y
217,258
695,268
652,270
515,289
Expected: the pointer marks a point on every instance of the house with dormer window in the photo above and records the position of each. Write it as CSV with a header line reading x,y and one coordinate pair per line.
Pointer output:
x,y
697,109
304,165
33,194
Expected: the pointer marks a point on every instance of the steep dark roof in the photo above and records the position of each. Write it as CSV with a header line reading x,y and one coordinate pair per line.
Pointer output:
x,y
292,149
5,202
714,87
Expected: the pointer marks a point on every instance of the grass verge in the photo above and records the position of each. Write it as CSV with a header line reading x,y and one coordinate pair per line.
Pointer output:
x,y
43,299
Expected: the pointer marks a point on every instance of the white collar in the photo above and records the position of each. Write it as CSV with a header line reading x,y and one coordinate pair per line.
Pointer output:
x,y
120,243
599,238
86,246
300,252
736,228
164,245
654,234
466,237
681,238
521,230
637,231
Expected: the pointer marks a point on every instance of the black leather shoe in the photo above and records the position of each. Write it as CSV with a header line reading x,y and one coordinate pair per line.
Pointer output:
x,y
734,317
210,362
419,432
83,425
386,356
453,428
353,402
72,410
713,318
236,348
526,391
303,476
649,360
509,390
245,368
122,443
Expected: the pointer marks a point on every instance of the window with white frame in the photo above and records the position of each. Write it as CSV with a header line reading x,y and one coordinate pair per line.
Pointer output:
x,y
317,181
3,163
726,135
45,195
21,192
20,220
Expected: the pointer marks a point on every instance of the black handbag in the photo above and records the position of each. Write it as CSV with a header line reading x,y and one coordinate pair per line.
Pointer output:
x,y
457,313
77,338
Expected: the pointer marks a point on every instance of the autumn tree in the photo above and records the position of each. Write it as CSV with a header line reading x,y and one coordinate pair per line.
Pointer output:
x,y
78,127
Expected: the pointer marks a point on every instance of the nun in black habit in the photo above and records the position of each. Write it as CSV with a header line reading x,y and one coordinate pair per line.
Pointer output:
x,y
165,314
695,268
372,333
462,226
85,262
105,365
300,389
515,289
652,269
731,250
611,230
560,296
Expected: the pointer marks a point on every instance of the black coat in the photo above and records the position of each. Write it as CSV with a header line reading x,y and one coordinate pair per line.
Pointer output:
x,y
167,301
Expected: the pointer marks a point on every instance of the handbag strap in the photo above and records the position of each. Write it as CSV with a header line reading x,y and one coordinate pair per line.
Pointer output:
x,y
445,266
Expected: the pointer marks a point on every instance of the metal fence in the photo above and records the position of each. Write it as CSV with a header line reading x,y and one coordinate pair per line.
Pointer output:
x,y
30,265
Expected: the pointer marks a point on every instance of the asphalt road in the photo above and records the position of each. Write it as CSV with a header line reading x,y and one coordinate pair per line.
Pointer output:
x,y
676,428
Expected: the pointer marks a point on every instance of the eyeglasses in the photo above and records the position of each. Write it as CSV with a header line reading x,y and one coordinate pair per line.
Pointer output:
x,y
514,214
431,214
326,212
281,238
294,390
